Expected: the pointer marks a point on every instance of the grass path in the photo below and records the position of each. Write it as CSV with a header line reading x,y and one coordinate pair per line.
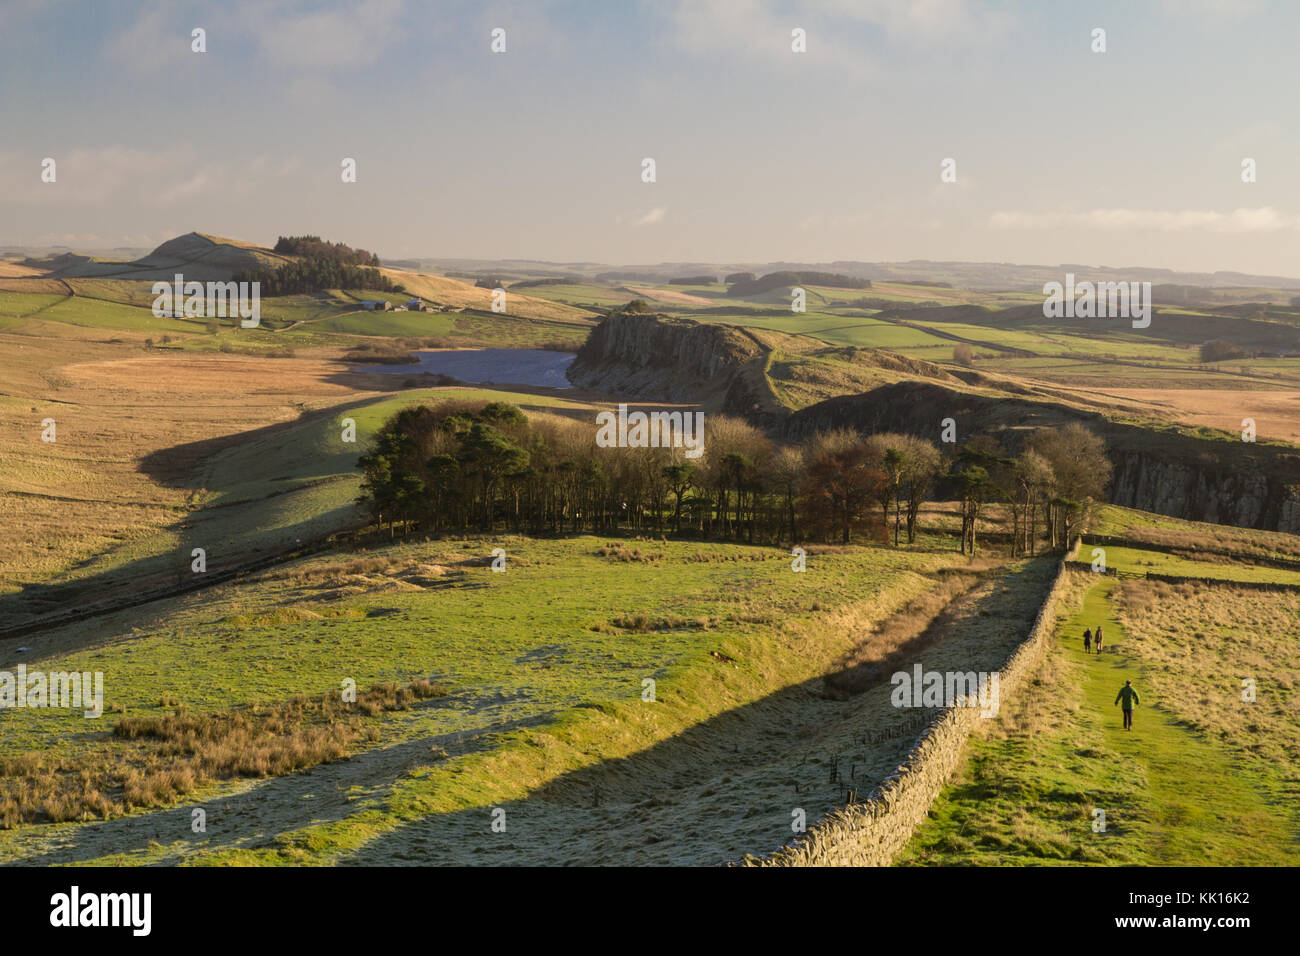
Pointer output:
x,y
1203,810
1059,752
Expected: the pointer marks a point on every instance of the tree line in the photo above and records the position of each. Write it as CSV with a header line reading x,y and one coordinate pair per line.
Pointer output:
x,y
314,247
460,466
316,275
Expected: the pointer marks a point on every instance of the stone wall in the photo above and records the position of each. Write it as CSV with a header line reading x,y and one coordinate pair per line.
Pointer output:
x,y
873,832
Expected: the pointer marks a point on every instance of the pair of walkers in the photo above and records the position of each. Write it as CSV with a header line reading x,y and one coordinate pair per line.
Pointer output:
x,y
1127,696
1090,639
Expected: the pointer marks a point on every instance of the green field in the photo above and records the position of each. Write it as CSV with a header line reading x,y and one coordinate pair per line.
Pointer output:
x,y
1172,794
561,641
1136,561
268,494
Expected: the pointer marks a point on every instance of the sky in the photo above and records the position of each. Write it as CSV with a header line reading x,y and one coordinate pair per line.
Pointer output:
x,y
1127,157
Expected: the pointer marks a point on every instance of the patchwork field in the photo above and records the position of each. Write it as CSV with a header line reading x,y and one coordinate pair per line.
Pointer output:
x,y
524,692
1276,412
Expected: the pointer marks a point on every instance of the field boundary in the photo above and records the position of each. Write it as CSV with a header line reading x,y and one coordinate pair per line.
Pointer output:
x,y
1225,582
873,832
207,580
1119,541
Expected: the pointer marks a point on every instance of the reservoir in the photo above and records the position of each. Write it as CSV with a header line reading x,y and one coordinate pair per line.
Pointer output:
x,y
489,366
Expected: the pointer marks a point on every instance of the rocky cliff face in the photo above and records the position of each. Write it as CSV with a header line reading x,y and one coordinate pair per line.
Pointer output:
x,y
1220,482
723,367
1223,482
668,359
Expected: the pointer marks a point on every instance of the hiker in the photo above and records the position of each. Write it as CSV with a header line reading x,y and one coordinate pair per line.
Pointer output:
x,y
1087,640
1098,638
1130,697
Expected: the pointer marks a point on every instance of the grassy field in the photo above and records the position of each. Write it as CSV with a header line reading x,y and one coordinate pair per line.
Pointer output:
x,y
268,490
1174,791
523,691
559,644
1138,561
1143,526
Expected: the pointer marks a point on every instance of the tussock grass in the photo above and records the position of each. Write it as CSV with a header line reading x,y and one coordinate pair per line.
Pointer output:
x,y
311,574
619,551
154,761
643,623
1200,642
870,661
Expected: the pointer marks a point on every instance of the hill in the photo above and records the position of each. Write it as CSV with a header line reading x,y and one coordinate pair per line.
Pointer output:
x,y
197,256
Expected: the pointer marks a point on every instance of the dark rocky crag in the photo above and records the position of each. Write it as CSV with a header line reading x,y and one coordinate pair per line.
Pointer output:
x,y
1198,479
662,358
725,369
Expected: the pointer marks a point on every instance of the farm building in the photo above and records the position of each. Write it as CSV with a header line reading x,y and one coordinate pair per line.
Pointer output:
x,y
416,305
375,305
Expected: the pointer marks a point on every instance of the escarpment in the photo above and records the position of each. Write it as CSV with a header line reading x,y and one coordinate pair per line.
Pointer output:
x,y
795,386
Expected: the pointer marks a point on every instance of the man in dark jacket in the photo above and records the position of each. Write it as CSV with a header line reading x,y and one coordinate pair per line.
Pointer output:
x,y
1130,697
1087,640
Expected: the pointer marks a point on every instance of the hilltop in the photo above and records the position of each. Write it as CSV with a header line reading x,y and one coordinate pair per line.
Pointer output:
x,y
197,255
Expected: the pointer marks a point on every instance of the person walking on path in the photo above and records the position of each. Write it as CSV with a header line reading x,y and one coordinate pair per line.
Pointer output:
x,y
1087,640
1130,697
1098,638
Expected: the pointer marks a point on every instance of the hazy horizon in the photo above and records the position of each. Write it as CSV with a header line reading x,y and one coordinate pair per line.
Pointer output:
x,y
1129,157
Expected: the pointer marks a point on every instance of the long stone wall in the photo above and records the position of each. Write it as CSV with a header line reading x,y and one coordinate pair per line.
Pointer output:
x,y
873,832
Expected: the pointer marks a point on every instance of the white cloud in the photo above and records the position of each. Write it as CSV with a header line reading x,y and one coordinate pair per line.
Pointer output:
x,y
327,39
305,38
651,218
756,27
172,176
1261,219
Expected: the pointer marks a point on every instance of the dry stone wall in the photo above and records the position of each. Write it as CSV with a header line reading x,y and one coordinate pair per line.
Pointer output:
x,y
873,832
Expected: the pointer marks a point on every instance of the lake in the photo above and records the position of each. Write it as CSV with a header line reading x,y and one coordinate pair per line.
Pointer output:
x,y
490,366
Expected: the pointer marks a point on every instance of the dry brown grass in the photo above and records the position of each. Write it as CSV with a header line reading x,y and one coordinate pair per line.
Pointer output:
x,y
308,575
903,634
1201,641
1244,543
459,294
153,761
619,551
1276,412
66,501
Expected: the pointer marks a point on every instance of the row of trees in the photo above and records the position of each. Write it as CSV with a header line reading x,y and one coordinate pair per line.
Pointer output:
x,y
465,466
314,247
315,275
1055,476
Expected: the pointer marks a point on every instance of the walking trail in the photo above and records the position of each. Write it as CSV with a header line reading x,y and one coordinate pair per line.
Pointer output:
x,y
1204,810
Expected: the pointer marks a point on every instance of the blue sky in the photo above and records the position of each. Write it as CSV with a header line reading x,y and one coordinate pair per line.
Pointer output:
x,y
1128,157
